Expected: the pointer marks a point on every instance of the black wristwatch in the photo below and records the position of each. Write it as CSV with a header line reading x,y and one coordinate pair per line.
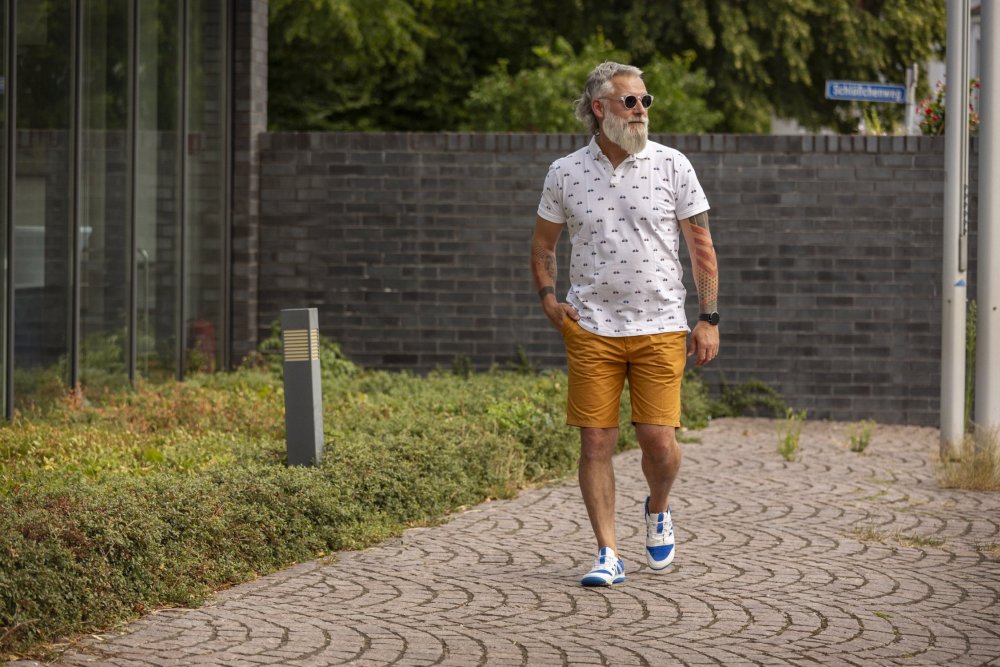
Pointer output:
x,y
711,318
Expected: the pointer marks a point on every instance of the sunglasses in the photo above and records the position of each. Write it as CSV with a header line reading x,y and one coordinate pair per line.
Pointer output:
x,y
631,100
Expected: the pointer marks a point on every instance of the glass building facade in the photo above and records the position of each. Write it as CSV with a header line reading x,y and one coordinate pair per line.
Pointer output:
x,y
115,165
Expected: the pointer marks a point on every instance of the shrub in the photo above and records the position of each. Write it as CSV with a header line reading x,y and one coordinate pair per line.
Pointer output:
x,y
931,111
696,406
754,397
120,501
157,496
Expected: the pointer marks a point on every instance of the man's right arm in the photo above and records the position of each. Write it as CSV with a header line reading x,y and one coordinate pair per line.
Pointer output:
x,y
543,270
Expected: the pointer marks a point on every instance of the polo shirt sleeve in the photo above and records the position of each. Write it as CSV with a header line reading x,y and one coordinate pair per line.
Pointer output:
x,y
551,206
691,199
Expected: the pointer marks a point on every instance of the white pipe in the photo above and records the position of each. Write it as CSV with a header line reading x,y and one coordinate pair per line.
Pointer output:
x,y
956,145
987,415
912,124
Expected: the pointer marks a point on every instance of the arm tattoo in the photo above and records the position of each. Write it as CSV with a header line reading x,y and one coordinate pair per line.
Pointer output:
x,y
543,266
700,220
706,269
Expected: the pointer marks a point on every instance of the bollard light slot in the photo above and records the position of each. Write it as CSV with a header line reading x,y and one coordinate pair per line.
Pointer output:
x,y
301,344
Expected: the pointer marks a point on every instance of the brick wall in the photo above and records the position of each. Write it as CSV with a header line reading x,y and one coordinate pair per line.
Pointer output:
x,y
414,248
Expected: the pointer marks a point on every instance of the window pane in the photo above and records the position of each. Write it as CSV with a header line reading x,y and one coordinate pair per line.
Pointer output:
x,y
104,234
205,183
41,200
4,78
157,189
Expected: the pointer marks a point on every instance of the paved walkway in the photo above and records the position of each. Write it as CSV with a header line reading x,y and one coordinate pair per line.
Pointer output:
x,y
838,558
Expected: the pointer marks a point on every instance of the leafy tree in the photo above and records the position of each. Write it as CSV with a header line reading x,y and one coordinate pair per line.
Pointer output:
x,y
413,64
540,99
329,60
766,56
393,64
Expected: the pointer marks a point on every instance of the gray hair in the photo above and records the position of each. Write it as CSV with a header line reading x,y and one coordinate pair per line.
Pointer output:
x,y
599,85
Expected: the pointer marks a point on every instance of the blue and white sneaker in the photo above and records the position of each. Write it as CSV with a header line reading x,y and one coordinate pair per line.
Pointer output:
x,y
608,569
659,539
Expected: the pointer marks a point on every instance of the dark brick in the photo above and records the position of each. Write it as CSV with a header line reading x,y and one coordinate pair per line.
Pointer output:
x,y
417,252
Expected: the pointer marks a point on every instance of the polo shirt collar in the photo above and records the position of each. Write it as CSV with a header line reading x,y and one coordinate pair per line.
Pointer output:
x,y
596,152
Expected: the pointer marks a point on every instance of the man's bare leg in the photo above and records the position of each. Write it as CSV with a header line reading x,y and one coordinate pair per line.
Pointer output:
x,y
661,461
597,481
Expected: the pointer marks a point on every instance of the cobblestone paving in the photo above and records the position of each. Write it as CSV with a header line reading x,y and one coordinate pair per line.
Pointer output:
x,y
838,558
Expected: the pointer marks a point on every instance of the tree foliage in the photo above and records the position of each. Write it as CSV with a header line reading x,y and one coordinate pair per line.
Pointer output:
x,y
540,99
438,64
329,59
768,56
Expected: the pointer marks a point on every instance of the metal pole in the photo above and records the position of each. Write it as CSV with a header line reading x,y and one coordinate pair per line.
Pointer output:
x,y
956,145
10,174
911,126
988,284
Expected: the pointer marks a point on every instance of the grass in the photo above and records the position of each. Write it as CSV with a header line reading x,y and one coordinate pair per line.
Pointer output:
x,y
978,465
860,434
789,432
870,533
990,551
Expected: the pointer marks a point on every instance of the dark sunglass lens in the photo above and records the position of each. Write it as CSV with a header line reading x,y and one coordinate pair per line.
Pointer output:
x,y
629,101
647,101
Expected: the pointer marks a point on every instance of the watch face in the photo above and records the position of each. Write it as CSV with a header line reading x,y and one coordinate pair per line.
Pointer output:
x,y
711,318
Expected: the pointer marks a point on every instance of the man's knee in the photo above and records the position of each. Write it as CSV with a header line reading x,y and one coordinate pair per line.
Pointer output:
x,y
598,444
655,436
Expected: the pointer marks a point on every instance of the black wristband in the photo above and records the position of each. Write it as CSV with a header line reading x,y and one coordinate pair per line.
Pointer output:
x,y
548,289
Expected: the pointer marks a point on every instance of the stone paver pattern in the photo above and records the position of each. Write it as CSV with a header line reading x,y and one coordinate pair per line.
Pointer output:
x,y
836,558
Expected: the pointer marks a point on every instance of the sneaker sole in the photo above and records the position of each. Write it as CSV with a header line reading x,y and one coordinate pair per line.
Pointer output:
x,y
598,583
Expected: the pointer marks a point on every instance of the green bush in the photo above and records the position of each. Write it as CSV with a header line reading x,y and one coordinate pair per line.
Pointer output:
x,y
121,501
751,398
127,500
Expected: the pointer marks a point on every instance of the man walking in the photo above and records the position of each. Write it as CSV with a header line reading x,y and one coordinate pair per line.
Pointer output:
x,y
625,201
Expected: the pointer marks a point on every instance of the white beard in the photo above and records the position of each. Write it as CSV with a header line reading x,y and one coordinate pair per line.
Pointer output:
x,y
630,134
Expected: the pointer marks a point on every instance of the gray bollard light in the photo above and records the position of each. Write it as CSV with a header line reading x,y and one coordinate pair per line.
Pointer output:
x,y
303,392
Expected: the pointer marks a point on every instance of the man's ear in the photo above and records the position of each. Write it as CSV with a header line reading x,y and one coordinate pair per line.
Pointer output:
x,y
597,108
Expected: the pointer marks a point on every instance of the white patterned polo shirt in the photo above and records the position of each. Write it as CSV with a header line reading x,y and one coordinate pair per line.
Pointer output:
x,y
625,270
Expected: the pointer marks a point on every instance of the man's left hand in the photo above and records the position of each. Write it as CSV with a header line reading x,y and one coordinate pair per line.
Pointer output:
x,y
704,343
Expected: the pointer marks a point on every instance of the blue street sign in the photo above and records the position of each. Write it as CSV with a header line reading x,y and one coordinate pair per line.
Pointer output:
x,y
866,92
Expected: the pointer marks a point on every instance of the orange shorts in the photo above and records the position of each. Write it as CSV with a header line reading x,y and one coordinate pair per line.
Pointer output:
x,y
599,365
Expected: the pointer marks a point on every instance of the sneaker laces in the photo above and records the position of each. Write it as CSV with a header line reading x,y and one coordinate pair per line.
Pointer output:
x,y
653,527
608,563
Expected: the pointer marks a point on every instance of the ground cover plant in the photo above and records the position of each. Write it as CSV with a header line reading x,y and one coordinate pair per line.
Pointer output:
x,y
977,467
859,435
789,432
120,502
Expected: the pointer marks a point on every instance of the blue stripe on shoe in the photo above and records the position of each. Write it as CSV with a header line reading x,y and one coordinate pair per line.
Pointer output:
x,y
660,552
608,569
